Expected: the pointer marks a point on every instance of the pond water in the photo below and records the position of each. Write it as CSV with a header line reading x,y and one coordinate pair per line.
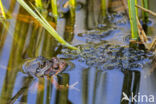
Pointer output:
x,y
102,72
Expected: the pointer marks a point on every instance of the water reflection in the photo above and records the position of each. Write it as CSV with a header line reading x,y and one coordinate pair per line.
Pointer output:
x,y
101,87
62,91
22,93
46,91
105,87
29,40
131,85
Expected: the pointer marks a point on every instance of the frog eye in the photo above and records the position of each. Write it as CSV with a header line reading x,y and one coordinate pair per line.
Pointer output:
x,y
41,65
37,70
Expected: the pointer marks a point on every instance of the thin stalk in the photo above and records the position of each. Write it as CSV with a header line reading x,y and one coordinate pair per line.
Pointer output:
x,y
72,5
45,24
146,10
133,21
144,14
54,9
103,7
136,9
2,9
38,3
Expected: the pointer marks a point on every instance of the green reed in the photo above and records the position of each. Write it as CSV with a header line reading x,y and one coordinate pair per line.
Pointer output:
x,y
103,7
45,24
144,14
72,5
54,9
38,3
2,10
133,21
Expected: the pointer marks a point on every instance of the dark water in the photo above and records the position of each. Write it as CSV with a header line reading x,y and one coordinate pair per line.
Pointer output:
x,y
100,74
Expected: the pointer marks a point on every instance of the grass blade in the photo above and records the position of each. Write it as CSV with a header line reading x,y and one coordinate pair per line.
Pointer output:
x,y
38,3
46,25
72,5
2,9
54,9
132,15
144,14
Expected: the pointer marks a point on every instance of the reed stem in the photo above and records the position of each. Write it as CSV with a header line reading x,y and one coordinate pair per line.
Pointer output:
x,y
54,9
144,14
2,10
45,24
72,5
38,3
133,22
103,7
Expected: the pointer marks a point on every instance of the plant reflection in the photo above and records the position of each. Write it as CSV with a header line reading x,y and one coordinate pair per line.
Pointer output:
x,y
31,40
105,87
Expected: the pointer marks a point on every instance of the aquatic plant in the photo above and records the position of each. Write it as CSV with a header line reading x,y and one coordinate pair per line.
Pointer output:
x,y
2,10
38,3
152,46
146,10
54,9
72,5
103,7
45,24
144,14
133,21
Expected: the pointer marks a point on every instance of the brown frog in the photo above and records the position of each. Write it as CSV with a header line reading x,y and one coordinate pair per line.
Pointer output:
x,y
41,66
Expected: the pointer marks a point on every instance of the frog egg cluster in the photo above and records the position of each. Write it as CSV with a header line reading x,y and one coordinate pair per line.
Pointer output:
x,y
107,56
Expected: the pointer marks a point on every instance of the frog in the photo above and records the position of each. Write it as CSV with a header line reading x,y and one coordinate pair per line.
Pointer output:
x,y
41,66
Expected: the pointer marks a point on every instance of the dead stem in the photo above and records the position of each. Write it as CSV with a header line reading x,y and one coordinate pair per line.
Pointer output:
x,y
146,10
152,47
141,32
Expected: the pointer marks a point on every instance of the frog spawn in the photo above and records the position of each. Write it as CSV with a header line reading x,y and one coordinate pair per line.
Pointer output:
x,y
108,56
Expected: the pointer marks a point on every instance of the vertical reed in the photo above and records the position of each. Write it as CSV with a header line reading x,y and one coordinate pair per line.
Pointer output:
x,y
54,9
38,3
72,5
103,7
132,14
2,10
144,14
45,24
